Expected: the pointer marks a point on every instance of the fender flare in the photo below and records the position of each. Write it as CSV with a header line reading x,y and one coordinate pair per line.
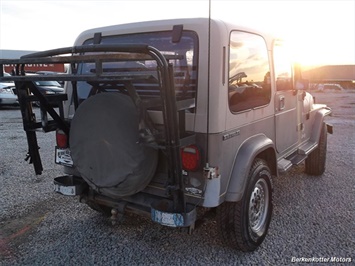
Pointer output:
x,y
243,161
318,123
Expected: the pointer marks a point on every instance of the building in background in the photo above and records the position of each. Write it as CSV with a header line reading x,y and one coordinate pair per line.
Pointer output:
x,y
30,68
343,75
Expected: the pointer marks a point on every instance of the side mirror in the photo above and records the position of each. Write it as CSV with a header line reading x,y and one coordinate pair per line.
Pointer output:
x,y
302,84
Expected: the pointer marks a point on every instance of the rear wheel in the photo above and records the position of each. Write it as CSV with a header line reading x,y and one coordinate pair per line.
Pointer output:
x,y
315,162
244,224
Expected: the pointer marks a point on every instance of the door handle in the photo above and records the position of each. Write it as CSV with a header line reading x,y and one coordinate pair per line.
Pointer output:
x,y
281,102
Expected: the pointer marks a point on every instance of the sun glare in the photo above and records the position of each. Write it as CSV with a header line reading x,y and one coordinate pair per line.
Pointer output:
x,y
314,48
307,51
318,32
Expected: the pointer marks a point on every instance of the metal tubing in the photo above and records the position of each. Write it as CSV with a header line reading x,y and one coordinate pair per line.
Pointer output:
x,y
119,52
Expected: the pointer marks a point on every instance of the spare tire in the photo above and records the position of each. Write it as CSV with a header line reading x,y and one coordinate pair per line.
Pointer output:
x,y
104,146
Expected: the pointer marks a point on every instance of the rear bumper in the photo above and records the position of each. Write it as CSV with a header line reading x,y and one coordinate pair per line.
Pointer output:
x,y
161,210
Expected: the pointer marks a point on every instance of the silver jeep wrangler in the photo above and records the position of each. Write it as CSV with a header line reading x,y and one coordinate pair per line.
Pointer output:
x,y
174,116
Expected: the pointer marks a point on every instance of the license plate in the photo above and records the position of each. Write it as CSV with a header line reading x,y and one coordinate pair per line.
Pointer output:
x,y
62,157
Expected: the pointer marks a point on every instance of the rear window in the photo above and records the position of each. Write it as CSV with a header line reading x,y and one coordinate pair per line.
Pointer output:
x,y
185,67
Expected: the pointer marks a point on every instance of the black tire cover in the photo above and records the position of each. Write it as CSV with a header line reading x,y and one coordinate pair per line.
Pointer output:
x,y
104,146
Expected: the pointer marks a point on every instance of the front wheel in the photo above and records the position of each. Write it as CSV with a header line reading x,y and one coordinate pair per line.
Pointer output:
x,y
244,224
315,162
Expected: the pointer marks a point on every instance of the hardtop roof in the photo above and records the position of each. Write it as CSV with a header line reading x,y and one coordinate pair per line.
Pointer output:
x,y
167,24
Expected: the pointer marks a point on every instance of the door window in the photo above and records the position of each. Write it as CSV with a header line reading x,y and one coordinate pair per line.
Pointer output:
x,y
249,72
282,67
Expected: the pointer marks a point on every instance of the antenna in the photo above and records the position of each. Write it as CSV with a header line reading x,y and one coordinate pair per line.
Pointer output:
x,y
208,76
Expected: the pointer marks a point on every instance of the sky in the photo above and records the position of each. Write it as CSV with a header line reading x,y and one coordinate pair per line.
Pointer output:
x,y
321,32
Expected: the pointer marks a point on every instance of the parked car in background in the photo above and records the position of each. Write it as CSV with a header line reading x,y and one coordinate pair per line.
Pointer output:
x,y
48,88
8,92
51,73
335,87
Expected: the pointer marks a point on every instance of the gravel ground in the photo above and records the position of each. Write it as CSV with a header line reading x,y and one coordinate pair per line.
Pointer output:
x,y
313,216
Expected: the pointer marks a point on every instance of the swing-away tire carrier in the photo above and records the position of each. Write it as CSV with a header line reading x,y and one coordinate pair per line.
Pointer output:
x,y
171,209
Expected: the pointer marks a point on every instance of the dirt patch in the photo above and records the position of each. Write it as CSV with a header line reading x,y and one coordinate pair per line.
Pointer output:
x,y
15,230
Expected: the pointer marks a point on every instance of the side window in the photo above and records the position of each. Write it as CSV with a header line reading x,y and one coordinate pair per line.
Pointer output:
x,y
249,72
282,67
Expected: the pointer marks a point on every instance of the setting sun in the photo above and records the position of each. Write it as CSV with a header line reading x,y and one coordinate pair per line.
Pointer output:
x,y
321,43
317,32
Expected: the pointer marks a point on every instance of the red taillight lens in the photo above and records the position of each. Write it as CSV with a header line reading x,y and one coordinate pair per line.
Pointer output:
x,y
62,139
190,157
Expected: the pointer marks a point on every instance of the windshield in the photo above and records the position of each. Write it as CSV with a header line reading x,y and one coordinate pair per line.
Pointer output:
x,y
47,83
185,63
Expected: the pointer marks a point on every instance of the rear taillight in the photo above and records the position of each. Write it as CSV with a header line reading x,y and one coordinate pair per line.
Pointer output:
x,y
190,158
62,139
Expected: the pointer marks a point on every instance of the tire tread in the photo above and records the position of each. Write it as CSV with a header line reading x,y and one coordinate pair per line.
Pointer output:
x,y
315,163
230,220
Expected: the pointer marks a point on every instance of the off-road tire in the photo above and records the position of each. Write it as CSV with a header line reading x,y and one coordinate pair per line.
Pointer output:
x,y
238,222
315,162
